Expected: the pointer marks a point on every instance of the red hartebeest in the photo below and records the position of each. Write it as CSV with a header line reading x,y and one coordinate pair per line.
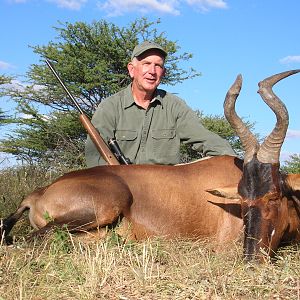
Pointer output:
x,y
151,200
270,201
174,200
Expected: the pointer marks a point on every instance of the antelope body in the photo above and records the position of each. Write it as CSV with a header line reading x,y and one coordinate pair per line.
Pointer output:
x,y
152,200
215,197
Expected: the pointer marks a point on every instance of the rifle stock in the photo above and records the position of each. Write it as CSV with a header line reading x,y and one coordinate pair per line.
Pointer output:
x,y
98,141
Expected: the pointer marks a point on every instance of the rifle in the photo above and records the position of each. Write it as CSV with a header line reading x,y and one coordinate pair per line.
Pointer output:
x,y
92,131
114,146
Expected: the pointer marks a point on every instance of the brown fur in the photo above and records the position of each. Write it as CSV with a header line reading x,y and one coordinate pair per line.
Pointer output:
x,y
271,211
154,200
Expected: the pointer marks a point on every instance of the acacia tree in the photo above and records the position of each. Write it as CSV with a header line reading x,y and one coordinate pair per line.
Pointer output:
x,y
220,126
92,60
2,116
292,165
3,80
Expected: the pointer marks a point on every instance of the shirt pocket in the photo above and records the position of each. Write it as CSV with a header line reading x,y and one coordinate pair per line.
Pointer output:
x,y
126,135
159,134
165,145
128,142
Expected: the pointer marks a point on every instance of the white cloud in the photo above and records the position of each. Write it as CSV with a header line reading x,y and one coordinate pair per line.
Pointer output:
x,y
4,65
284,156
14,85
290,59
206,5
42,116
293,134
25,116
120,7
69,4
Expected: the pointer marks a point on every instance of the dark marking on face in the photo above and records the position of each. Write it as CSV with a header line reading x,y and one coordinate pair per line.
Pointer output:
x,y
258,179
252,221
260,189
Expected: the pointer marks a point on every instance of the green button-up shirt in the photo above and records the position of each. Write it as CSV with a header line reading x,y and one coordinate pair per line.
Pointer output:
x,y
152,136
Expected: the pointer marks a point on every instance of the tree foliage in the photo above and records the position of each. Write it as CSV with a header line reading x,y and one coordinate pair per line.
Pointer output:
x,y
3,117
220,126
54,139
292,165
92,61
5,79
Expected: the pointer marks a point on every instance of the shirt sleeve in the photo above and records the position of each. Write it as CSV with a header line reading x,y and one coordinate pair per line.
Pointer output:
x,y
104,121
191,131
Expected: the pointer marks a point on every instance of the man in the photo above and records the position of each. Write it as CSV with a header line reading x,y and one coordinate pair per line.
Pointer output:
x,y
148,122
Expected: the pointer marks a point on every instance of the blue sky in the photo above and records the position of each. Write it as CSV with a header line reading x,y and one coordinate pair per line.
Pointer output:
x,y
256,38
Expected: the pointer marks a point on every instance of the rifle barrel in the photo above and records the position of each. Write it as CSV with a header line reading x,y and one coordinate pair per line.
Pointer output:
x,y
63,85
98,141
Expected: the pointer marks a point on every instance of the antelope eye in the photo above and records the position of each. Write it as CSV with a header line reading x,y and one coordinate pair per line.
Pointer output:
x,y
273,200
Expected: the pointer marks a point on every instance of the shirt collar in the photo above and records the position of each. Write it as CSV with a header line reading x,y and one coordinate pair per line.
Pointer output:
x,y
129,100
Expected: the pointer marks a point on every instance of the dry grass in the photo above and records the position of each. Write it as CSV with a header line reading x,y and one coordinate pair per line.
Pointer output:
x,y
63,267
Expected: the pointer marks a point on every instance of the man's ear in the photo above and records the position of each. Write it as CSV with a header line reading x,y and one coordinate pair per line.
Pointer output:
x,y
130,69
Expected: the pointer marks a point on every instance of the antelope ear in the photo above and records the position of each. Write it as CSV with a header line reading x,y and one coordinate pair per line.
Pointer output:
x,y
229,192
293,181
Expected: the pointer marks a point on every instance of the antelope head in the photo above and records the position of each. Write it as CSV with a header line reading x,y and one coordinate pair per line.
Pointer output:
x,y
260,190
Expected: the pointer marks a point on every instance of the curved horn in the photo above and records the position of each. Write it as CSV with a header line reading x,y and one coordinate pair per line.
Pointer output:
x,y
269,151
249,141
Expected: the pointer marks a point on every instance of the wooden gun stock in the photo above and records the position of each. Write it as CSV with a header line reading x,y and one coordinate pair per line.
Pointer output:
x,y
98,141
101,146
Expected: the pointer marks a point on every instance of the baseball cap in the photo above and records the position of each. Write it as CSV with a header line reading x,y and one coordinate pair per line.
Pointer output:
x,y
145,46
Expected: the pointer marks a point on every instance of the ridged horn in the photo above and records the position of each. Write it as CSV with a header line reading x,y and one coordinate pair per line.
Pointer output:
x,y
269,151
248,140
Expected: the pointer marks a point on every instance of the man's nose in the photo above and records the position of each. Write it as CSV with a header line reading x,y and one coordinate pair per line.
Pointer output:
x,y
152,69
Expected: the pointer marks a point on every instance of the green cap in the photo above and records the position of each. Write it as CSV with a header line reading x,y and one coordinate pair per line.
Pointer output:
x,y
145,46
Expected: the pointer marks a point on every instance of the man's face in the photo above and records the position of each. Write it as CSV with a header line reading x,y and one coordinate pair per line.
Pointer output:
x,y
147,70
